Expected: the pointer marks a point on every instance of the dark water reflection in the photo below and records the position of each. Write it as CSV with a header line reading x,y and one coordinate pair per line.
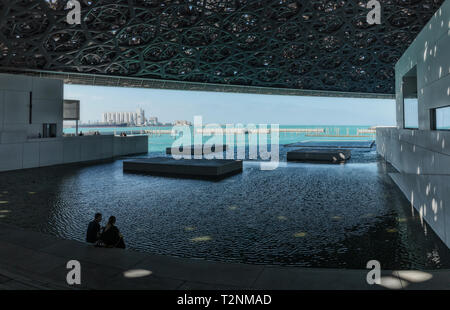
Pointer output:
x,y
337,216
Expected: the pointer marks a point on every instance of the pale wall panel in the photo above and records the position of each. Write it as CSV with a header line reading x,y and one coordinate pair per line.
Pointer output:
x,y
47,111
15,82
17,107
47,152
430,196
11,156
30,155
50,153
51,89
72,150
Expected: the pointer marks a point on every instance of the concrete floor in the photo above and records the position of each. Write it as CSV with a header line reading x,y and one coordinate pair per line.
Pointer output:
x,y
31,260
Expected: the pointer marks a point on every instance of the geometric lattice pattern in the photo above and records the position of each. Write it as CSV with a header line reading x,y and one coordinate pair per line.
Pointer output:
x,y
314,45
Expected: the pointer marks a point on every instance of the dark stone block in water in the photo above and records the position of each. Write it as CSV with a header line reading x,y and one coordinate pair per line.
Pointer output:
x,y
324,155
214,169
199,149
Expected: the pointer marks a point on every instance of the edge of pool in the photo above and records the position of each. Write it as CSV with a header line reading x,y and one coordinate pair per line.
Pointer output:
x,y
32,260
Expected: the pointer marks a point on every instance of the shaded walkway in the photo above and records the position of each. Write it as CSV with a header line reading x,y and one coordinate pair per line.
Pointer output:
x,y
31,260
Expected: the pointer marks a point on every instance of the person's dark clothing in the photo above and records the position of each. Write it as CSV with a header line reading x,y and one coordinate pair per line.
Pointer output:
x,y
121,244
112,238
92,232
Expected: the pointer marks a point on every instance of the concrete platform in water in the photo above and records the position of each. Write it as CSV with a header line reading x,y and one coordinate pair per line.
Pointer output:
x,y
197,149
214,169
322,155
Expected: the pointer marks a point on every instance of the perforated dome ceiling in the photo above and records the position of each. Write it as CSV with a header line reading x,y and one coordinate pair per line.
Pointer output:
x,y
313,45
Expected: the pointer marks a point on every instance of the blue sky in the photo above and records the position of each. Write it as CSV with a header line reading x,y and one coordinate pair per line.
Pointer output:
x,y
214,107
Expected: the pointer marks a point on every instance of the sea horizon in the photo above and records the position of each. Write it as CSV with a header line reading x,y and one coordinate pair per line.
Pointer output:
x,y
159,141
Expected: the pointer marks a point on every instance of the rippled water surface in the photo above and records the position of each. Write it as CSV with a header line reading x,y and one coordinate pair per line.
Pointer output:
x,y
316,215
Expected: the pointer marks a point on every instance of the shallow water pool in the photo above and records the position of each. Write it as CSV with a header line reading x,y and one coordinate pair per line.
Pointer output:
x,y
313,215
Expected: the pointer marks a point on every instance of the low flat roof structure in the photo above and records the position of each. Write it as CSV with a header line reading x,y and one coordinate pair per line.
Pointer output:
x,y
214,169
334,144
272,47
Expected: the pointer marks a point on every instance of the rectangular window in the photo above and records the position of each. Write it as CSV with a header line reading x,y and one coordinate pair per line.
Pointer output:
x,y
411,113
49,131
410,102
441,119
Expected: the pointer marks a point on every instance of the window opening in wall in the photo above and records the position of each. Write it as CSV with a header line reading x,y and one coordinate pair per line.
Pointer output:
x,y
440,118
410,101
49,131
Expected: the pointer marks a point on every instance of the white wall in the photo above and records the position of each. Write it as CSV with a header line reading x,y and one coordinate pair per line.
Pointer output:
x,y
55,151
430,196
415,151
19,147
430,53
47,106
422,157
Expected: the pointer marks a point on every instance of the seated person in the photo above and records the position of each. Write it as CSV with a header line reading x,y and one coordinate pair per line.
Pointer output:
x,y
93,231
111,236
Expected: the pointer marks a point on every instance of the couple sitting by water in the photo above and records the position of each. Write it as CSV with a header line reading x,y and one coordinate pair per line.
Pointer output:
x,y
108,236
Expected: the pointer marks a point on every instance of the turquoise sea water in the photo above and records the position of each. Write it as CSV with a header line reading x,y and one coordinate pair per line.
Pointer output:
x,y
159,142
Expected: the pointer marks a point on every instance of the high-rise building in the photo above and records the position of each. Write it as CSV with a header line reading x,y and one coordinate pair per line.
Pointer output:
x,y
153,120
140,116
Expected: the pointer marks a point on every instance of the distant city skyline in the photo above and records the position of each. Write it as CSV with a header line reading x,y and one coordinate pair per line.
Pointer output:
x,y
132,118
214,107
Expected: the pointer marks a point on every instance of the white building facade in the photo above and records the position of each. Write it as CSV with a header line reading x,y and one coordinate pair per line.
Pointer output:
x,y
419,146
31,128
